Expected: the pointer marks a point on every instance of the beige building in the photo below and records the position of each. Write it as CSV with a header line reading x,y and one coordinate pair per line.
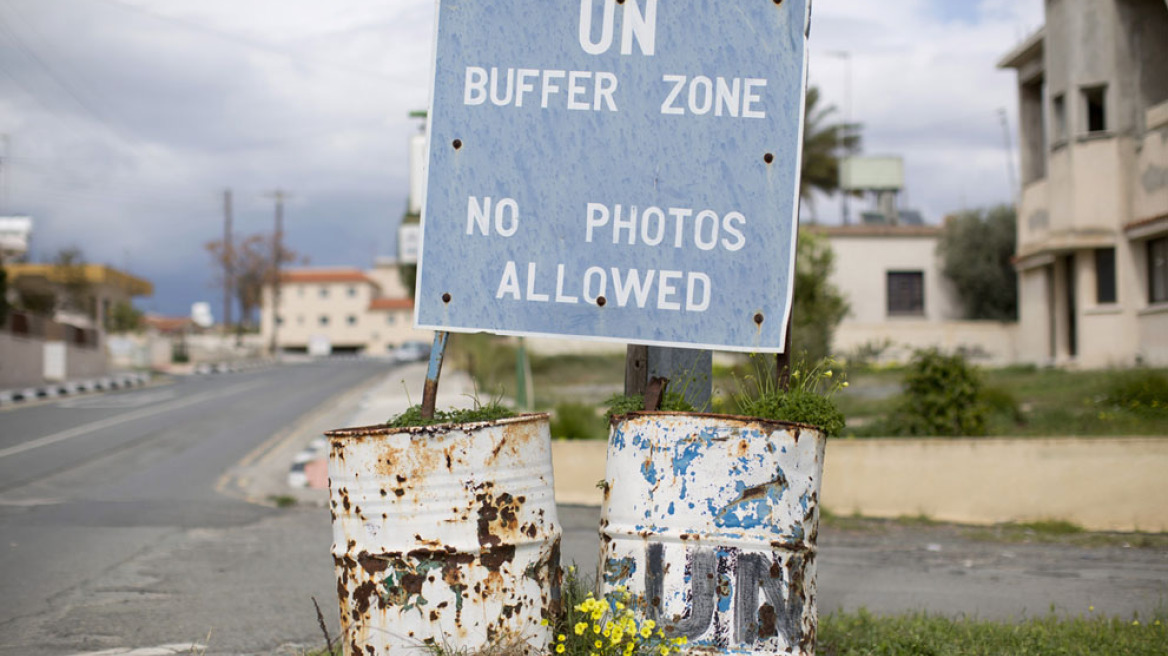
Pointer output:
x,y
67,340
900,300
347,309
1093,215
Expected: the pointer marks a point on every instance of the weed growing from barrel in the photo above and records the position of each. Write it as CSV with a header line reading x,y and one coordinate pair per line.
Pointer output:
x,y
489,412
622,404
809,400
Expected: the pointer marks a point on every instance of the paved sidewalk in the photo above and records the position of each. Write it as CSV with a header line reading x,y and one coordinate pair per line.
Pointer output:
x,y
293,465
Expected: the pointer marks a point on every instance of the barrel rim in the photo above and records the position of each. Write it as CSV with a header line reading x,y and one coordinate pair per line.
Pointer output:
x,y
433,429
715,416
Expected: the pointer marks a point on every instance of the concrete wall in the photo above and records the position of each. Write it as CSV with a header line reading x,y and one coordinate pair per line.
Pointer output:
x,y
21,361
1151,188
1103,484
84,362
1099,484
990,343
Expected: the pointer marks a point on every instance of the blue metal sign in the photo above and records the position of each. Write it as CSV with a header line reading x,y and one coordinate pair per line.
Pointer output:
x,y
622,171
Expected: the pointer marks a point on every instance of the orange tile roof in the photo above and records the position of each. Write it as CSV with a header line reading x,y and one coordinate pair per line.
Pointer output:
x,y
326,276
391,304
167,324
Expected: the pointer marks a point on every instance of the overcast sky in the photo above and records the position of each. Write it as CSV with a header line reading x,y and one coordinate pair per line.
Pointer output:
x,y
127,119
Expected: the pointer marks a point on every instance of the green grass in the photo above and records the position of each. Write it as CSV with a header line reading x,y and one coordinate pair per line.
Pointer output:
x,y
862,633
1049,531
1032,402
282,500
919,634
1062,532
1024,400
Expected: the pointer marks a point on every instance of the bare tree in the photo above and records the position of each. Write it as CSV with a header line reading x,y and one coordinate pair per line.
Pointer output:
x,y
251,269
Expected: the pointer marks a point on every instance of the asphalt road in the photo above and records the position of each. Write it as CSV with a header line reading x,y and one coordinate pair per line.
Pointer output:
x,y
107,501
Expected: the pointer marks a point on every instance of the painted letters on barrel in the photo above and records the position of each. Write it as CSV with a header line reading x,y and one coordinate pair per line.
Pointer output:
x,y
710,523
444,535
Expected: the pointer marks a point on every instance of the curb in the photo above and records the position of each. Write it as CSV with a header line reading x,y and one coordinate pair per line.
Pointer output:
x,y
53,390
297,478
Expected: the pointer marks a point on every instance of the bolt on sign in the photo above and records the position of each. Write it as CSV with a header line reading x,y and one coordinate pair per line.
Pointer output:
x,y
615,170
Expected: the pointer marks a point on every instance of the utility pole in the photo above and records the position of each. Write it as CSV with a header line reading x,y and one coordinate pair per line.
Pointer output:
x,y
843,134
277,256
228,261
5,170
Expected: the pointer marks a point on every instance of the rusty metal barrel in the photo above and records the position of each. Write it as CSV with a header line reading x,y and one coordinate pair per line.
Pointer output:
x,y
444,536
709,522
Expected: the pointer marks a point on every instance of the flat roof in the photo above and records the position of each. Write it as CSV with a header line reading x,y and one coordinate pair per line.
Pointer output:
x,y
1030,48
94,274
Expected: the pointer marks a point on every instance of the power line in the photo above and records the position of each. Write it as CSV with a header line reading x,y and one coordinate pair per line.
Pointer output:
x,y
250,43
53,75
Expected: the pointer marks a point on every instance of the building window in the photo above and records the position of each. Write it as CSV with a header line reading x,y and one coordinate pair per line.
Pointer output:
x,y
352,291
323,320
351,320
1105,275
279,321
906,293
324,292
1158,270
1058,107
390,318
300,320
300,291
1095,102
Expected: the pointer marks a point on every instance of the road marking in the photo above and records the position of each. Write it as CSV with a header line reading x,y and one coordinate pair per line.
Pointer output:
x,y
121,419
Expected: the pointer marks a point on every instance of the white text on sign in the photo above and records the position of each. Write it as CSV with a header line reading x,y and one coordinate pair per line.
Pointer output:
x,y
579,90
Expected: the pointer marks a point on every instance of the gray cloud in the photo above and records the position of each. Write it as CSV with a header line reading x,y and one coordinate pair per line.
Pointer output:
x,y
129,117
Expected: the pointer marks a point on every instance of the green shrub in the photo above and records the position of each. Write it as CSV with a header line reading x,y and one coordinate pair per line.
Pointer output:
x,y
1000,402
943,396
1140,391
577,421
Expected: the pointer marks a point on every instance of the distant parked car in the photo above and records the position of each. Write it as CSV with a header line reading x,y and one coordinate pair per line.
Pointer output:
x,y
412,352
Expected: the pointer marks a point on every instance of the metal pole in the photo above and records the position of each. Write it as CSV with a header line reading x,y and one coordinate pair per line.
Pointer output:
x,y
845,131
430,391
228,262
5,170
277,257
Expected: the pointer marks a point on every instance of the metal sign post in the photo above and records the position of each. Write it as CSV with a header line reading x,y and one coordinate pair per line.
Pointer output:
x,y
621,171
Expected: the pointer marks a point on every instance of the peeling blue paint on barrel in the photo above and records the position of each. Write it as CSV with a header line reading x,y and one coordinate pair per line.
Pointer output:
x,y
710,523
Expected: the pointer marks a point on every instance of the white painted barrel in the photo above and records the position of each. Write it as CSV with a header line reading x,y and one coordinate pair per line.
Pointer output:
x,y
444,535
710,522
